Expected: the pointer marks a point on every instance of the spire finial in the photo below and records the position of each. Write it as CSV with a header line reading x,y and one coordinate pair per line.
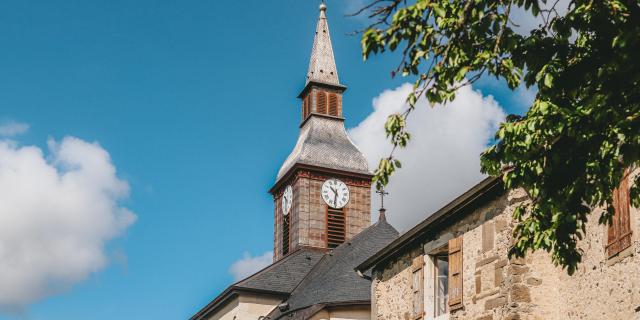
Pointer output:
x,y
323,6
382,193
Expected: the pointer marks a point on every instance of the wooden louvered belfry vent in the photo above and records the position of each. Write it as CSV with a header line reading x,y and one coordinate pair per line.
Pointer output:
x,y
285,234
333,104
321,102
305,107
336,227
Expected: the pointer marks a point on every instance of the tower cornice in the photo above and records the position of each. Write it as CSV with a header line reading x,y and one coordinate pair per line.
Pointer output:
x,y
299,168
338,87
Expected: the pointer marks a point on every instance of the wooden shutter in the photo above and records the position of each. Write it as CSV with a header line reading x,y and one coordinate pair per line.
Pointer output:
x,y
336,227
619,232
333,104
321,102
455,273
417,286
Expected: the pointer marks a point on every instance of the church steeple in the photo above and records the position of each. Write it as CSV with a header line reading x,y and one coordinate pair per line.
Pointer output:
x,y
322,194
322,66
322,94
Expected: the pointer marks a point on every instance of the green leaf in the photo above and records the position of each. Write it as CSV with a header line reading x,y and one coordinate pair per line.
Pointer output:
x,y
548,80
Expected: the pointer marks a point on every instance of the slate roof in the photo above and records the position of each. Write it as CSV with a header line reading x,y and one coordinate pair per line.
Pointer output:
x,y
322,65
323,142
279,279
333,280
283,275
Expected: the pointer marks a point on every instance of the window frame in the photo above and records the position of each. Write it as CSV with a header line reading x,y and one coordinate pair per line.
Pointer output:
x,y
431,284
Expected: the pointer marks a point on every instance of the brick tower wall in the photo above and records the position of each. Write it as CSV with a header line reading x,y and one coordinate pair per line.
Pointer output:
x,y
308,226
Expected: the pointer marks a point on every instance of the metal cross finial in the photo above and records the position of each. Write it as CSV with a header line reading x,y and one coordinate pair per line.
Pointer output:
x,y
382,193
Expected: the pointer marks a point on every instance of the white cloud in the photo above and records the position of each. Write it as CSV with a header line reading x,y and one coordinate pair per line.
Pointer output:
x,y
443,157
13,128
57,213
249,265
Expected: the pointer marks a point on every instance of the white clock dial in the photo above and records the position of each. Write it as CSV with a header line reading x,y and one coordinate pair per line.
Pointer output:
x,y
287,197
335,193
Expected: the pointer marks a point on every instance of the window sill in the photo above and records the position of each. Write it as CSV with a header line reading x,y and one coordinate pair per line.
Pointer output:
x,y
455,307
440,317
627,252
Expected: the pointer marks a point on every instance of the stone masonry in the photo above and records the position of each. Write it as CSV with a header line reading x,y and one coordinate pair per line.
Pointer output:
x,y
495,287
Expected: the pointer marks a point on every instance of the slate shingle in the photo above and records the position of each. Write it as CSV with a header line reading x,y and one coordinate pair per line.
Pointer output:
x,y
333,280
284,275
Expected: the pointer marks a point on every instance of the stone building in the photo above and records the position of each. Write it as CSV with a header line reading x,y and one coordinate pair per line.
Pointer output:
x,y
454,265
322,216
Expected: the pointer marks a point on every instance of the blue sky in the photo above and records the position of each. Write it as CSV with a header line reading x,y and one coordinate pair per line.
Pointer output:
x,y
195,102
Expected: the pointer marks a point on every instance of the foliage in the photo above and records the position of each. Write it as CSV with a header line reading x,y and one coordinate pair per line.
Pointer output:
x,y
580,134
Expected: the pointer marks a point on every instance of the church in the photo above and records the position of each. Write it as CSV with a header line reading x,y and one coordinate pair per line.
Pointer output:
x,y
331,263
322,216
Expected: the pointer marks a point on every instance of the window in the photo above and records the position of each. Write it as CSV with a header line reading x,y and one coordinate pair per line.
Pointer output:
x,y
285,234
619,232
321,102
333,104
441,285
444,285
417,284
336,227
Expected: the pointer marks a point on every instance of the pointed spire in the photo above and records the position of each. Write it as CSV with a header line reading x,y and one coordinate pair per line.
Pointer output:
x,y
322,66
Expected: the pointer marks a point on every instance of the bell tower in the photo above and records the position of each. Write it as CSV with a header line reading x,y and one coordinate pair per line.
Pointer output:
x,y
322,194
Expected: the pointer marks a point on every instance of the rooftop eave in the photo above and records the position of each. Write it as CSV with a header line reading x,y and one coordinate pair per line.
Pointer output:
x,y
230,293
486,188
315,114
313,82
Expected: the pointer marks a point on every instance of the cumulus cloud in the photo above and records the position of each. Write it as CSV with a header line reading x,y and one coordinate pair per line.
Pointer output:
x,y
12,128
57,212
249,265
442,159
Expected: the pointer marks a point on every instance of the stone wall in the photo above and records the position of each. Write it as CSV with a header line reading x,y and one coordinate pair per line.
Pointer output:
x,y
391,291
495,287
604,288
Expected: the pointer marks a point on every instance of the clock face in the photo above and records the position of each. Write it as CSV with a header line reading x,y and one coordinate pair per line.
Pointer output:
x,y
335,193
287,198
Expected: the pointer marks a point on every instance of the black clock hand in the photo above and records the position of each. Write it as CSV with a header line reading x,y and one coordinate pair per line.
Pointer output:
x,y
335,196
